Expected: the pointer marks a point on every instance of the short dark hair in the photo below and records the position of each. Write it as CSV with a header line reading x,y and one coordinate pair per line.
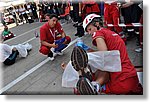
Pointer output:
x,y
51,15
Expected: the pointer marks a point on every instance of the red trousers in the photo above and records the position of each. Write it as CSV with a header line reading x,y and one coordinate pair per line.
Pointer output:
x,y
129,86
111,16
46,50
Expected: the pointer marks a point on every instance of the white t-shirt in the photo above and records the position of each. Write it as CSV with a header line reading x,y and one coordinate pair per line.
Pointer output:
x,y
13,12
22,10
18,11
29,8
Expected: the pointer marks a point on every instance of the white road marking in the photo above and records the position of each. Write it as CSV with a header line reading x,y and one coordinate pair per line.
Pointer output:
x,y
74,41
29,40
11,84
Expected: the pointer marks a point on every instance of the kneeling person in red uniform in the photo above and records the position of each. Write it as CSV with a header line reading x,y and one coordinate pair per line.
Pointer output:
x,y
53,38
124,82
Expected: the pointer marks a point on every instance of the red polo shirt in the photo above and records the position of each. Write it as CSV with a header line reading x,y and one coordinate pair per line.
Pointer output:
x,y
49,34
120,82
93,8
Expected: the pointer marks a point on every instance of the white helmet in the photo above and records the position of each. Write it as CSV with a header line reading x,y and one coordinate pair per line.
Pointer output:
x,y
88,19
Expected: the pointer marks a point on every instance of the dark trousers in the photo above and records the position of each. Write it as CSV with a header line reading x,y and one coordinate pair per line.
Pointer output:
x,y
26,17
75,13
11,59
132,14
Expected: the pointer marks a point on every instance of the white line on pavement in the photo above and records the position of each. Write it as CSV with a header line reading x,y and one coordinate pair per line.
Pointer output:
x,y
11,84
29,40
74,41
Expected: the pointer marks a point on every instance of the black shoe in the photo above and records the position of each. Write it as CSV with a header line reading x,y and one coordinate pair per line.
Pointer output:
x,y
80,35
76,34
80,31
51,56
75,25
85,87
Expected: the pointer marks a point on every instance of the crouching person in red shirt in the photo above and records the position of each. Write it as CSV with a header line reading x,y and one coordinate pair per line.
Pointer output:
x,y
53,38
124,82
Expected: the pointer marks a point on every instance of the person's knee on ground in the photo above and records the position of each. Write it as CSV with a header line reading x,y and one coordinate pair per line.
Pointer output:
x,y
47,51
44,50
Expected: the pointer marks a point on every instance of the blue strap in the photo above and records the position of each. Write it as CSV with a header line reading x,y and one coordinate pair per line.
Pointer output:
x,y
104,87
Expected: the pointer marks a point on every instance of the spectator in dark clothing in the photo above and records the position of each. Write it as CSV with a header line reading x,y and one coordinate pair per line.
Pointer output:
x,y
13,12
34,11
23,12
41,12
132,13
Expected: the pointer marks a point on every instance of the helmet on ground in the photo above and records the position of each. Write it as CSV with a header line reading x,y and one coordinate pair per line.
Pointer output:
x,y
88,19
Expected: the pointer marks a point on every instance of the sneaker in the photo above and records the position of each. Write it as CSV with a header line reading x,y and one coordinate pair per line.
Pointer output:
x,y
51,56
76,34
87,73
97,86
79,60
28,46
14,35
138,50
122,34
85,87
53,51
75,25
59,53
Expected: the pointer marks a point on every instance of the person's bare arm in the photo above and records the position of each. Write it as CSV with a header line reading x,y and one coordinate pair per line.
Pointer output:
x,y
80,9
101,45
101,76
63,65
63,35
83,8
